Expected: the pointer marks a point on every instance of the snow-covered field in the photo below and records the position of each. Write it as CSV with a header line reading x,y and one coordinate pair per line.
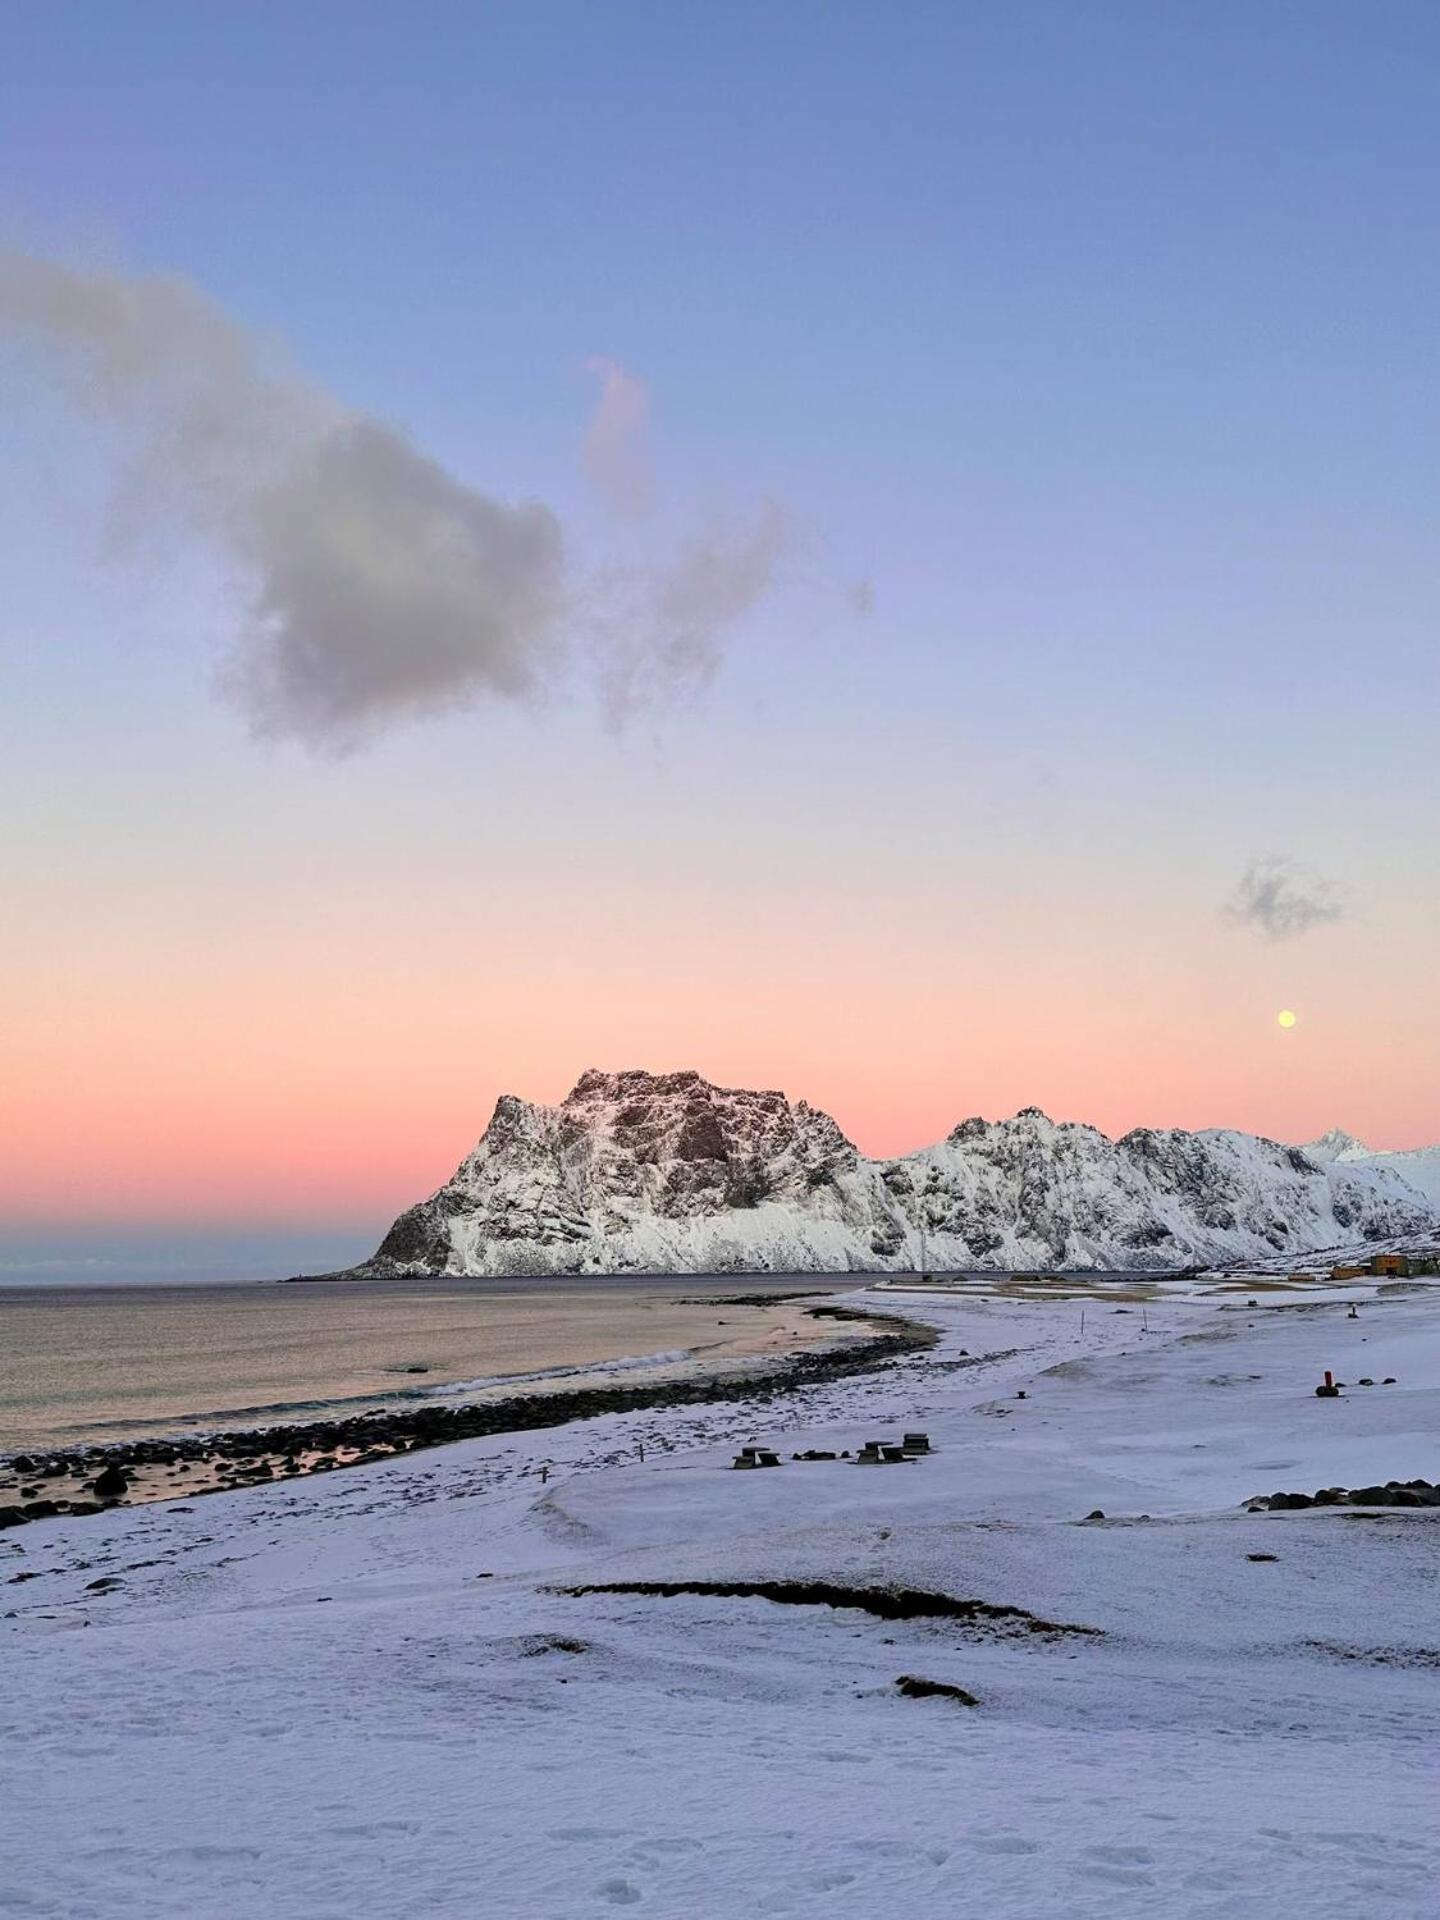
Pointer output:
x,y
368,1694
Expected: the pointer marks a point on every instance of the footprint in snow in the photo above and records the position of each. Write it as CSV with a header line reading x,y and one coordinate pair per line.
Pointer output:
x,y
1118,1876
1003,1843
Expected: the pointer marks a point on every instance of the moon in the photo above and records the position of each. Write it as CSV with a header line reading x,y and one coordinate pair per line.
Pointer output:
x,y
1285,1017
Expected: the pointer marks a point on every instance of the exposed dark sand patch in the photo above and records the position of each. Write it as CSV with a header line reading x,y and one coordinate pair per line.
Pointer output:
x,y
885,1603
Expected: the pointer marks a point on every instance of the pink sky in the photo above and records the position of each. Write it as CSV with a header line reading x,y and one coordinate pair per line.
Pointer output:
x,y
202,1057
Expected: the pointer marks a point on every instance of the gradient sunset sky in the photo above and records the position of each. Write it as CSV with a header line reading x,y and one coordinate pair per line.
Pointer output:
x,y
1054,390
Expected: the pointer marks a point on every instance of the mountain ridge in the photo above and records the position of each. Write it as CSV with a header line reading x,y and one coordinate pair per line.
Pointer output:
x,y
642,1172
1419,1167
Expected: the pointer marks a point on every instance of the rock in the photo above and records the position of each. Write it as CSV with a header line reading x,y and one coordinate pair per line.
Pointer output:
x,y
914,1688
112,1482
1098,1514
1262,1556
13,1516
40,1509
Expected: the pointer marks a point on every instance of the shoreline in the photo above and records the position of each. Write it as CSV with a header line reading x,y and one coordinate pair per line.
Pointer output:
x,y
105,1366
79,1481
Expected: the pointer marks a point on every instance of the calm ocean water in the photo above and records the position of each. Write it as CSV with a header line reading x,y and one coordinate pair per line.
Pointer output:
x,y
101,1363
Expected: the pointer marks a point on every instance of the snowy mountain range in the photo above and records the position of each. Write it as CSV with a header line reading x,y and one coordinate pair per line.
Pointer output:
x,y
641,1172
1419,1166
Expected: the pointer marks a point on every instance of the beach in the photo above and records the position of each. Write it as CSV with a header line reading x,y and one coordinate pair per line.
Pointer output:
x,y
1060,1665
84,1365
108,1387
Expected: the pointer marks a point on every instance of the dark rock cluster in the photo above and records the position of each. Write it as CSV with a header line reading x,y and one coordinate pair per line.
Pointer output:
x,y
1394,1493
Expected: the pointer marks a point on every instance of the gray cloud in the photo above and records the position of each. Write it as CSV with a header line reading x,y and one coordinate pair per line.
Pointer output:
x,y
377,586
385,585
1281,899
203,412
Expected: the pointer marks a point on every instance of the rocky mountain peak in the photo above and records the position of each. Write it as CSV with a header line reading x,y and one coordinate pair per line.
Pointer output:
x,y
636,1083
1336,1144
667,1172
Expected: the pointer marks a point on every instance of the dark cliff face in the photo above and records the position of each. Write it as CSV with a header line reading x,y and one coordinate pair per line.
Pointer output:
x,y
420,1239
681,1116
667,1172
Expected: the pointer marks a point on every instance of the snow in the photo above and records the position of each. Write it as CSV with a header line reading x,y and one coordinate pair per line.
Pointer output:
x,y
307,1701
1419,1167
1336,1144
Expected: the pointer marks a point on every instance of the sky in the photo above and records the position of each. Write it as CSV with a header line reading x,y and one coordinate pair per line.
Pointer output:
x,y
885,550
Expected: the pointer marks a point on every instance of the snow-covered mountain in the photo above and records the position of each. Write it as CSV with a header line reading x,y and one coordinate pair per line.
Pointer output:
x,y
1418,1166
642,1172
1336,1144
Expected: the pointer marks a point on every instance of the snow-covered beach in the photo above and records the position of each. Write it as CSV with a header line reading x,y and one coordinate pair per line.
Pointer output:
x,y
376,1692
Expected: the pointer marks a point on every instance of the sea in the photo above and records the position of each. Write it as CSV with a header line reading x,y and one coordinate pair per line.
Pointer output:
x,y
82,1365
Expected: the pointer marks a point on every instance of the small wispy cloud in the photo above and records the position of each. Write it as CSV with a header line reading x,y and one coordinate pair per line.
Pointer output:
x,y
616,454
662,630
1281,899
